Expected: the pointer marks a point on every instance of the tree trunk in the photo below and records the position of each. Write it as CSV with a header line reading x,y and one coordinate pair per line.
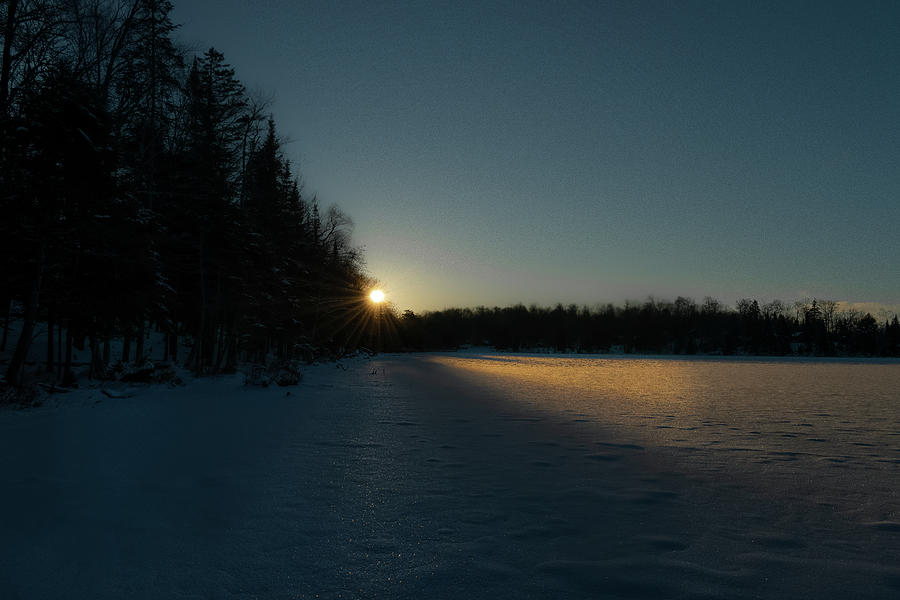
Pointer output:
x,y
126,349
8,305
96,366
106,351
139,344
15,371
220,349
59,351
9,31
230,360
68,375
173,346
70,341
50,321
191,362
98,353
196,357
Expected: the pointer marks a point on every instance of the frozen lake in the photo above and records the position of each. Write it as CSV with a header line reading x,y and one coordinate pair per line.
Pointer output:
x,y
700,478
829,430
448,476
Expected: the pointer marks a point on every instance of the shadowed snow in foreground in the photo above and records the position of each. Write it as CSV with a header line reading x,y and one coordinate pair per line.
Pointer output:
x,y
425,479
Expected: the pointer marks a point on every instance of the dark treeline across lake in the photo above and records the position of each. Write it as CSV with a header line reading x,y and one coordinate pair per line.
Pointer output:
x,y
809,327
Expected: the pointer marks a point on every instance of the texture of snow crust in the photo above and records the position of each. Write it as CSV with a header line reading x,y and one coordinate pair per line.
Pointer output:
x,y
434,477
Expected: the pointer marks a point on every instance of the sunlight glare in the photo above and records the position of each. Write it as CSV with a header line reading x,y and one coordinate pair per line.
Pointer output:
x,y
377,296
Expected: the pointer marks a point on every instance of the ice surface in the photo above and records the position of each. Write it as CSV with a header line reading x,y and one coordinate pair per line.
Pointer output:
x,y
439,477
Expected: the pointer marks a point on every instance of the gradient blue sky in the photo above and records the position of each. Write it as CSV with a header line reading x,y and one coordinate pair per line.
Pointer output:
x,y
502,152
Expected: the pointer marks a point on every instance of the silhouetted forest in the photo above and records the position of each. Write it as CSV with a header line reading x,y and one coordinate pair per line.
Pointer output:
x,y
143,188
808,327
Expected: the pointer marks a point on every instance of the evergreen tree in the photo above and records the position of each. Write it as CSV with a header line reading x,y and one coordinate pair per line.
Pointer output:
x,y
146,96
66,184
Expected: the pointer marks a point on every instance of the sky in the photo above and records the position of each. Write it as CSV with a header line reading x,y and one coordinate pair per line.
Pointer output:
x,y
491,153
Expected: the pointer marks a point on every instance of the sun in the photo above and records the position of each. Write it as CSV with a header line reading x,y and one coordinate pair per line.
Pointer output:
x,y
377,296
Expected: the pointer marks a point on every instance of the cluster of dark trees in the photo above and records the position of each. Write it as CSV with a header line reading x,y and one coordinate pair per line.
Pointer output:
x,y
809,327
142,189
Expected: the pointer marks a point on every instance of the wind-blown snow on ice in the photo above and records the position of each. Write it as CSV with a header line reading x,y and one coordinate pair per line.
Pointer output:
x,y
454,476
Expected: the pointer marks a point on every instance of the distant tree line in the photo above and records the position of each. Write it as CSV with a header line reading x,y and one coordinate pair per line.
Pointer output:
x,y
807,327
143,189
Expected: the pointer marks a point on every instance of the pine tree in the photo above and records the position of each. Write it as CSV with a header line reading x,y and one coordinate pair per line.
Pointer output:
x,y
206,217
146,97
67,185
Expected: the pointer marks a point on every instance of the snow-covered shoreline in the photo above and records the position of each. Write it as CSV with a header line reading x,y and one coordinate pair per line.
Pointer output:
x,y
391,477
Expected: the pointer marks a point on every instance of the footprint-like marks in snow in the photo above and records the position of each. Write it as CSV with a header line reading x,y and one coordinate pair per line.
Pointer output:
x,y
348,444
665,543
623,446
399,423
642,576
651,496
885,526
776,541
603,457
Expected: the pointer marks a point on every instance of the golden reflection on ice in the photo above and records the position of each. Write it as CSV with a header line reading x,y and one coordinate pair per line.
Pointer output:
x,y
648,382
833,411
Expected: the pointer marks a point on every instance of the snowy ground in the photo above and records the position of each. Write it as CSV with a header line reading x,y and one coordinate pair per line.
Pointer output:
x,y
401,477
